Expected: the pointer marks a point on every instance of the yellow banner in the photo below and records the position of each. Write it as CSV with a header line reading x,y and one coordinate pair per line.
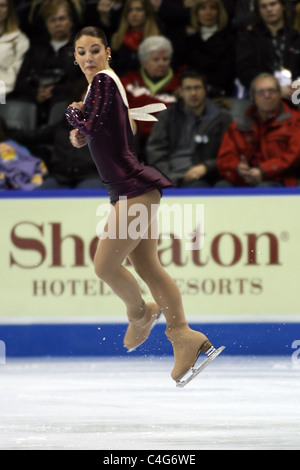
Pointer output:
x,y
245,261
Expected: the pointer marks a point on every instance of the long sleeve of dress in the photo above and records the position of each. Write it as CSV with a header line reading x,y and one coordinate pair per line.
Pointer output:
x,y
96,106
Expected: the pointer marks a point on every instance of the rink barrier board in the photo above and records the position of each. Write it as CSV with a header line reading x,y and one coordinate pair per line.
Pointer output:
x,y
106,340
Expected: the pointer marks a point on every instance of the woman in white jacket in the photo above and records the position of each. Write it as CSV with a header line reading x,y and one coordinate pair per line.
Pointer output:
x,y
13,46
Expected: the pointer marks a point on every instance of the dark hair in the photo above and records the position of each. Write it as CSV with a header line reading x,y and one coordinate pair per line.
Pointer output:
x,y
284,3
94,32
190,73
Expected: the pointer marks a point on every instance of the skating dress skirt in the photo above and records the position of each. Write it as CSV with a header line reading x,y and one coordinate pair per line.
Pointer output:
x,y
105,122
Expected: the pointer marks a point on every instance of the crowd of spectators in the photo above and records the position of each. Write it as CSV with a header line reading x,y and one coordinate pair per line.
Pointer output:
x,y
195,56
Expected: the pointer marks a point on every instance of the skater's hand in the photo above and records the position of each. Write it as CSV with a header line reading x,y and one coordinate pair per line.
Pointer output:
x,y
77,140
78,105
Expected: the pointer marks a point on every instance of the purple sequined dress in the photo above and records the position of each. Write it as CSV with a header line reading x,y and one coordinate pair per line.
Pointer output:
x,y
105,122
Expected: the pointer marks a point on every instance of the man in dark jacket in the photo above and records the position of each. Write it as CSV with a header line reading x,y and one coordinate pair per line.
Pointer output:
x,y
184,142
48,71
270,45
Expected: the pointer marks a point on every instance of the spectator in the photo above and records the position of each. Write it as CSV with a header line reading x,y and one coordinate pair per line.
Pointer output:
x,y
271,45
31,21
13,46
107,16
48,70
210,48
244,14
154,82
19,169
263,148
137,22
174,16
296,17
185,141
68,167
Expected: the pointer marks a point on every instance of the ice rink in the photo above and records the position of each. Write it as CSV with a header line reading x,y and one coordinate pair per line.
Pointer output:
x,y
132,404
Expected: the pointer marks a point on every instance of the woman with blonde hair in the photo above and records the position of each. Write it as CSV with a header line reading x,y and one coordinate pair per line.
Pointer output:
x,y
137,22
208,46
202,16
13,45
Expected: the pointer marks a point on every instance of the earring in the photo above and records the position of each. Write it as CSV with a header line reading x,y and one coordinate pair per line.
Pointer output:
x,y
75,62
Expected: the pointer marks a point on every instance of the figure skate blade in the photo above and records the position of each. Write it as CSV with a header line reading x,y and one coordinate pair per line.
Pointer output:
x,y
194,371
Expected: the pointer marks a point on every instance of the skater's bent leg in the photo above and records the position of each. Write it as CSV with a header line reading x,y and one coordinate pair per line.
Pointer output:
x,y
113,249
108,260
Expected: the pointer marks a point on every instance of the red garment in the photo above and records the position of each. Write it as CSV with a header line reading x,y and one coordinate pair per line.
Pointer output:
x,y
132,39
139,95
273,146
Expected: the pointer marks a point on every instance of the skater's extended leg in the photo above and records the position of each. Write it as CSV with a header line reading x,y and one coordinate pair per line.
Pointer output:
x,y
110,254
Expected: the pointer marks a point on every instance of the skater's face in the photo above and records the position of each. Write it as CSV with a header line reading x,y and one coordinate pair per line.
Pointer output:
x,y
92,56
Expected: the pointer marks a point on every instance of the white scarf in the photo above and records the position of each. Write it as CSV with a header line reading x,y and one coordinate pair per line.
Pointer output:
x,y
208,31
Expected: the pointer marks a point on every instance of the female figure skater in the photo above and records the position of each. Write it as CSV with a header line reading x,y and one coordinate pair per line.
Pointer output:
x,y
103,121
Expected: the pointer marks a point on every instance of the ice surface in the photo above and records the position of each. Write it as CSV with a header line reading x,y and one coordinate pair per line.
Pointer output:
x,y
236,403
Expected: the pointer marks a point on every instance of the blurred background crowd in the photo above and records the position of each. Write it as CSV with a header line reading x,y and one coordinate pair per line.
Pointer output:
x,y
227,71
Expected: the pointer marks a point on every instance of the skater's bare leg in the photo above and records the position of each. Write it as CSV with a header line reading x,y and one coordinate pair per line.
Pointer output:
x,y
110,255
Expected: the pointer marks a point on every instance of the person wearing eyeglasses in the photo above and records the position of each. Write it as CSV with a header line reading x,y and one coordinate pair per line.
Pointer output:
x,y
263,148
184,143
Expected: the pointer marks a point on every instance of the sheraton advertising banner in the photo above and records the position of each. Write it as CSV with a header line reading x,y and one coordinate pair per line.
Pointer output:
x,y
231,256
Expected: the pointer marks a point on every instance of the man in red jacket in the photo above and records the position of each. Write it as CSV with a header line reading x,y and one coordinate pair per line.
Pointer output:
x,y
263,148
